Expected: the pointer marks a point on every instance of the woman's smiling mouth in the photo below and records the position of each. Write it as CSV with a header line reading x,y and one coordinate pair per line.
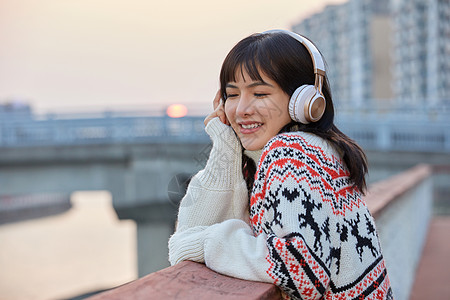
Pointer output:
x,y
250,127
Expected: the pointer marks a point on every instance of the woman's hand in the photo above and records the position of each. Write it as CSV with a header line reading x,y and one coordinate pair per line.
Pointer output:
x,y
219,111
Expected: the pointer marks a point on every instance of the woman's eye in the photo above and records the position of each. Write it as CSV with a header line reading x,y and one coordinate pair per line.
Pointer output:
x,y
231,95
260,95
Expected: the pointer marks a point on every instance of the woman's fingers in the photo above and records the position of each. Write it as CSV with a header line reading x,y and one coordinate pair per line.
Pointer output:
x,y
208,118
221,114
216,101
224,118
219,111
211,116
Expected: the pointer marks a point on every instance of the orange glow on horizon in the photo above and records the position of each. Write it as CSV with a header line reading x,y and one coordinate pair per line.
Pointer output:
x,y
176,111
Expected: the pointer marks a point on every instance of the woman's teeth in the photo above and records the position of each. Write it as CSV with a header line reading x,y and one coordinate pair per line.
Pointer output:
x,y
251,126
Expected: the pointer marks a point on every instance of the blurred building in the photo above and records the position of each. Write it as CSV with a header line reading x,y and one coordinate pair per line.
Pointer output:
x,y
378,51
345,35
14,109
421,51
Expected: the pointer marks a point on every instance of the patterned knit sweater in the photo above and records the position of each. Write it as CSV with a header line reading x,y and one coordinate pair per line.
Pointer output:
x,y
306,229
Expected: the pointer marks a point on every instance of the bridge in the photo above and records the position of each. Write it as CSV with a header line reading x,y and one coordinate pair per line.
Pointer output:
x,y
412,131
144,159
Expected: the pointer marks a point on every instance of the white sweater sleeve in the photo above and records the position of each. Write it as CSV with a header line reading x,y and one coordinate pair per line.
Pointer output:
x,y
228,248
218,192
283,252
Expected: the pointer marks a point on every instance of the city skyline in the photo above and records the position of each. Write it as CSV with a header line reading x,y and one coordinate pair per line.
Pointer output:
x,y
385,54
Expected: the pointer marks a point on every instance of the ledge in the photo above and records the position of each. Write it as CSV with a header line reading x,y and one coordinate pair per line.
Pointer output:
x,y
189,280
384,192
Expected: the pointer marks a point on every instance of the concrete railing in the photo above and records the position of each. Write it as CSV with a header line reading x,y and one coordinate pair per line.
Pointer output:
x,y
401,206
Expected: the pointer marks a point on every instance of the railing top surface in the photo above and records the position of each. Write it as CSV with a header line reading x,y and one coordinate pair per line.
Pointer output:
x,y
191,281
384,192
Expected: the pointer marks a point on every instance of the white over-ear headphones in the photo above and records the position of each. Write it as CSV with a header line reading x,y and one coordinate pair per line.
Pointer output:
x,y
307,103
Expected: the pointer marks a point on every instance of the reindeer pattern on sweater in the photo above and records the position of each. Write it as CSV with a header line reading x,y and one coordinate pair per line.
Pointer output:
x,y
322,239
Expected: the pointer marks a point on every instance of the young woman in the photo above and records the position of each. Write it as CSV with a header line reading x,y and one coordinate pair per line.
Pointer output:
x,y
279,200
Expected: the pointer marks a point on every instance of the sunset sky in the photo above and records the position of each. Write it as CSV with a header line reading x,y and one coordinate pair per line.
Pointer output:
x,y
79,55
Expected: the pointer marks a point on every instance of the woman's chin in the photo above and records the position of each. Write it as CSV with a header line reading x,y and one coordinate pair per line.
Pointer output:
x,y
252,146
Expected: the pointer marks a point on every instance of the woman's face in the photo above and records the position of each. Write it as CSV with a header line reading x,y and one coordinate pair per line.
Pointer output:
x,y
256,110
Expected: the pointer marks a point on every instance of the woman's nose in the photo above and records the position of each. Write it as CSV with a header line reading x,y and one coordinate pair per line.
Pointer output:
x,y
246,106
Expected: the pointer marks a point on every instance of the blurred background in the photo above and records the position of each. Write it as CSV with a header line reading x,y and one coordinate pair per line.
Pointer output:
x,y
102,106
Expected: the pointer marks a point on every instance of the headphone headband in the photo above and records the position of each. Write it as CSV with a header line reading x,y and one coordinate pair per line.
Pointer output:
x,y
307,103
319,66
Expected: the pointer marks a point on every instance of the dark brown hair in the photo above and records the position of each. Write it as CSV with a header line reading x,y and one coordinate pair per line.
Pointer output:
x,y
287,62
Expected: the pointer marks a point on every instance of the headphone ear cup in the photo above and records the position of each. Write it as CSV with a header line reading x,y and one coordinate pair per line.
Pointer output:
x,y
316,107
299,99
